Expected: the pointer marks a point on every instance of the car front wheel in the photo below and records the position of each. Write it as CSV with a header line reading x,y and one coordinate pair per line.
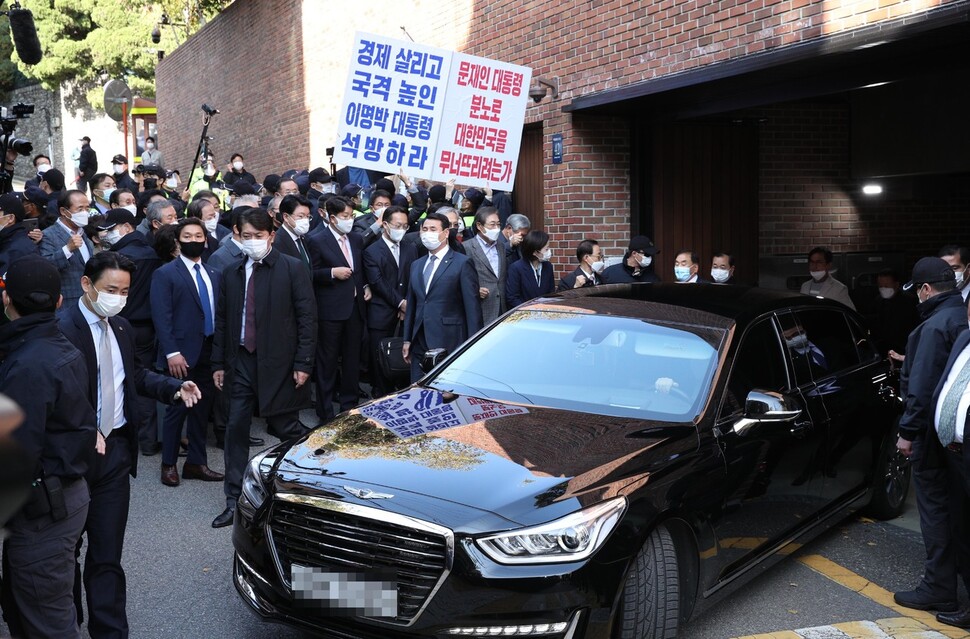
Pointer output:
x,y
651,594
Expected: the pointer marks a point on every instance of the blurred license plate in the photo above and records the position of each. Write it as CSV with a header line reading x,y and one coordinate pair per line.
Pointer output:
x,y
366,594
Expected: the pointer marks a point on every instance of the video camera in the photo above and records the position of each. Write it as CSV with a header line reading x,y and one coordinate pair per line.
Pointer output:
x,y
8,122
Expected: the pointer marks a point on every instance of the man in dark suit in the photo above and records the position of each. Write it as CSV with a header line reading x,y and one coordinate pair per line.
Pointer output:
x,y
294,221
184,292
115,381
230,250
951,402
120,236
488,256
387,266
66,246
591,266
263,348
341,291
204,210
443,307
368,225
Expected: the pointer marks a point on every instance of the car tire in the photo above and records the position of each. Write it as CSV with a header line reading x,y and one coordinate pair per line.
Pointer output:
x,y
651,593
890,485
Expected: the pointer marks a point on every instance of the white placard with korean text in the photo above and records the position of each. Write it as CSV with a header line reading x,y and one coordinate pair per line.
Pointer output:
x,y
434,113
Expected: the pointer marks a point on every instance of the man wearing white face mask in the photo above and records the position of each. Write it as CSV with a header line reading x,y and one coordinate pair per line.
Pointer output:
x,y
107,345
236,171
722,268
489,259
65,244
637,264
590,269
368,225
341,291
120,237
123,179
151,156
687,268
892,314
822,283
294,218
958,257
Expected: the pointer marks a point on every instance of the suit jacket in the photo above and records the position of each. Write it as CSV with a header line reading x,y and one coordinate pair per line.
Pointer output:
x,y
521,285
388,282
362,227
495,304
336,298
177,311
450,311
138,309
51,248
283,243
228,253
568,281
213,241
933,443
138,380
286,329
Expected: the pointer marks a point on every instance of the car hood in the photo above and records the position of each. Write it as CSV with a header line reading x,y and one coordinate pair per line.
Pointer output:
x,y
475,457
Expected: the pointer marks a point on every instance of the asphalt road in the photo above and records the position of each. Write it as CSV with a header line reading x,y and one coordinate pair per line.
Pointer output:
x,y
179,576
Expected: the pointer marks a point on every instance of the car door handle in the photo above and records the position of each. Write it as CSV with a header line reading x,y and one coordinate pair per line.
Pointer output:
x,y
888,394
800,428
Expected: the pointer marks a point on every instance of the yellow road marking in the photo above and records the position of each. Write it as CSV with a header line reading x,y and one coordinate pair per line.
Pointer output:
x,y
895,628
848,579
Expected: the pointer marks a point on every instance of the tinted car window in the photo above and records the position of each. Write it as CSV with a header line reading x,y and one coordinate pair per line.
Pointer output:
x,y
759,364
820,344
864,345
593,363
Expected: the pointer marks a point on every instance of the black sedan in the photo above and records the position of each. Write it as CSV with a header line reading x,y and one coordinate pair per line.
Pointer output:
x,y
602,464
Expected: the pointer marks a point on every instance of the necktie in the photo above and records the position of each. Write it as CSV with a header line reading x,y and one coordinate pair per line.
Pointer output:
x,y
204,298
299,245
396,252
249,341
345,247
106,372
948,412
428,269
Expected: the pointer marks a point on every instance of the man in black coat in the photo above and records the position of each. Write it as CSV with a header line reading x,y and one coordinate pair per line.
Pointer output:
x,y
591,265
120,237
263,347
294,224
14,241
87,165
387,267
45,375
944,320
341,292
106,281
637,264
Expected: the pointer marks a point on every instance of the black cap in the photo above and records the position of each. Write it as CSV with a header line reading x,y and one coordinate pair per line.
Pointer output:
x,y
55,179
643,244
115,217
384,184
169,174
242,187
86,139
351,190
119,159
271,183
475,196
437,193
930,270
33,283
289,174
320,175
11,204
36,195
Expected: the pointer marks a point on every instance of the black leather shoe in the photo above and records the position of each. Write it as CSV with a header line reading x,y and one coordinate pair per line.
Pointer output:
x,y
200,471
170,475
224,519
919,600
256,441
960,619
151,449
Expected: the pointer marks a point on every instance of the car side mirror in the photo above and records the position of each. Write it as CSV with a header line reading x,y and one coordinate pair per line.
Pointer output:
x,y
765,407
432,358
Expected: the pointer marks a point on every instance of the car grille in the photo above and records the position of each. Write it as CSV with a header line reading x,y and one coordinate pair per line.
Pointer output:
x,y
312,536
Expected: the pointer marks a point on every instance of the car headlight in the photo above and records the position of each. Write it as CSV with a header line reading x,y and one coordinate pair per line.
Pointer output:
x,y
571,538
254,491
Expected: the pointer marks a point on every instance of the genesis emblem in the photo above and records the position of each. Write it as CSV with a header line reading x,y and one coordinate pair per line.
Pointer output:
x,y
363,493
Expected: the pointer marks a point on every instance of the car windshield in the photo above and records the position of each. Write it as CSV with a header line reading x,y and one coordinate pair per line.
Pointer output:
x,y
620,366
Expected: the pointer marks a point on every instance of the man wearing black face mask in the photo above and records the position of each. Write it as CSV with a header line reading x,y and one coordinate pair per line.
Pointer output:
x,y
929,345
184,293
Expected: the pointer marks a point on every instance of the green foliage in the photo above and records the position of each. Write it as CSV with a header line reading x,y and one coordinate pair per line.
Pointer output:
x,y
88,42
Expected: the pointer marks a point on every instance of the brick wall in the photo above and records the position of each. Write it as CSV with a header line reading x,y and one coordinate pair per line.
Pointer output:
x,y
808,197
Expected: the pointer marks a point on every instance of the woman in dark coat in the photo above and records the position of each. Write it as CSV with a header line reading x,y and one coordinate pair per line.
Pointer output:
x,y
532,276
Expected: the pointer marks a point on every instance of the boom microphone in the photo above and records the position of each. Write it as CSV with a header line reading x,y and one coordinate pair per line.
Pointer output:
x,y
24,35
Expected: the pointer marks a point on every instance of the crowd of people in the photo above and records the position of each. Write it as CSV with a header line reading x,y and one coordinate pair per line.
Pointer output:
x,y
227,297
